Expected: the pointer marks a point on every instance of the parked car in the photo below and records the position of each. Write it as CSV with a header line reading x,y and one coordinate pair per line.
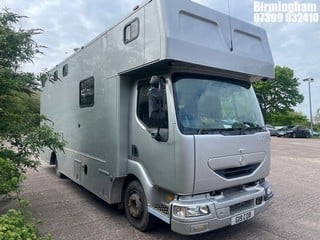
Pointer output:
x,y
297,132
282,131
314,133
272,130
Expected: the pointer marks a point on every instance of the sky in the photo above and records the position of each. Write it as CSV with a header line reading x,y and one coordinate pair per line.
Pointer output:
x,y
72,24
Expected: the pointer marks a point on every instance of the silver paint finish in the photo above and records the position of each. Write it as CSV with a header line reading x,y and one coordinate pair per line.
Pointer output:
x,y
99,138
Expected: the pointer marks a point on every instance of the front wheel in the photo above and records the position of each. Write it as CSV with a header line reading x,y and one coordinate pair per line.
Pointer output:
x,y
136,207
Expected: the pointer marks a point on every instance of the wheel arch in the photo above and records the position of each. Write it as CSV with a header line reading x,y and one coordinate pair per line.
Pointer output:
x,y
137,172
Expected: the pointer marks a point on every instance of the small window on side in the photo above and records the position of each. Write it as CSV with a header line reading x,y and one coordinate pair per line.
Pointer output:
x,y
65,70
55,75
131,31
86,92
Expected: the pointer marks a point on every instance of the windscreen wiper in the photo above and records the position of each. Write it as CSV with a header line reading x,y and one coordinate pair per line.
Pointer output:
x,y
215,130
230,131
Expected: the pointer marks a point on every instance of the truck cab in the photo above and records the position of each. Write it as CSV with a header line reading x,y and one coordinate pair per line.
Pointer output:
x,y
202,142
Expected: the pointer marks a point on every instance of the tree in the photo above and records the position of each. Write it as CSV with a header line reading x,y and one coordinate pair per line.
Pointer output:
x,y
21,135
317,116
289,118
282,93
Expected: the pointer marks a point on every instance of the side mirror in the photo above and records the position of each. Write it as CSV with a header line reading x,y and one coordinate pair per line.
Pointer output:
x,y
156,94
156,100
157,82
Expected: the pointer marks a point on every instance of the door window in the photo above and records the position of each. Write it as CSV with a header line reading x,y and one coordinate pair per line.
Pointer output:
x,y
150,112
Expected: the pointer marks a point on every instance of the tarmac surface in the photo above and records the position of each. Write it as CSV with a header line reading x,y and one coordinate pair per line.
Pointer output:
x,y
70,212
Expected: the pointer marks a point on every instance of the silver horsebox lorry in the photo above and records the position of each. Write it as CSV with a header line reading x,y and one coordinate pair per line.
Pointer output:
x,y
160,116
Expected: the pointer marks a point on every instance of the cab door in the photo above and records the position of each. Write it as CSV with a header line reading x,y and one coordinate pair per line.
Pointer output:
x,y
155,154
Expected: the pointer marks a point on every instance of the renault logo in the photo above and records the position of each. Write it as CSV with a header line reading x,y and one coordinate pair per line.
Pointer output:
x,y
241,160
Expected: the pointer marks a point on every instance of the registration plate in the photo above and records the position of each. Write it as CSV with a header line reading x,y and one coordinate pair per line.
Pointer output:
x,y
242,217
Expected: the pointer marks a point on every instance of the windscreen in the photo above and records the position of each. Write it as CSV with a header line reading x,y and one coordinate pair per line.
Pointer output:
x,y
212,105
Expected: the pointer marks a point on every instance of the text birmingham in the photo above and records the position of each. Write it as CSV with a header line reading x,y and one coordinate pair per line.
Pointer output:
x,y
260,6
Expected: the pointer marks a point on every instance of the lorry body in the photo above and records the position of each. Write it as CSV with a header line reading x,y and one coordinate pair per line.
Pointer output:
x,y
160,116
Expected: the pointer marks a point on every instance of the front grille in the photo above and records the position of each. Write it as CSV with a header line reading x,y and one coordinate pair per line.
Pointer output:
x,y
238,171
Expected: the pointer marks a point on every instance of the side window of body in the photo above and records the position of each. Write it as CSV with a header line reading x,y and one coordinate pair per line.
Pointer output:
x,y
131,31
150,116
86,93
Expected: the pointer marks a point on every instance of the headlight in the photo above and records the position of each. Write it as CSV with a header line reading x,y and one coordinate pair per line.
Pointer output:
x,y
194,211
269,193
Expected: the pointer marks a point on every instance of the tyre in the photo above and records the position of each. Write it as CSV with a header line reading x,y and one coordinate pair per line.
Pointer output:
x,y
294,135
58,173
136,207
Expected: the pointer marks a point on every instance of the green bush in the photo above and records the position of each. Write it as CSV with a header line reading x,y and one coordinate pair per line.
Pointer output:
x,y
10,176
19,225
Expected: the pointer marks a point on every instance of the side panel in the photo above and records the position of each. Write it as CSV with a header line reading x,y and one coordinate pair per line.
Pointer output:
x,y
152,35
185,163
145,49
92,153
97,137
124,56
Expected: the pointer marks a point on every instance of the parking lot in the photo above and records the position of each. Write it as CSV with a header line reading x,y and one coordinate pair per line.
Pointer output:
x,y
70,212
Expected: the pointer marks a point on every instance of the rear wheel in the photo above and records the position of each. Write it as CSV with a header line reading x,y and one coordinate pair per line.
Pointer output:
x,y
136,207
58,173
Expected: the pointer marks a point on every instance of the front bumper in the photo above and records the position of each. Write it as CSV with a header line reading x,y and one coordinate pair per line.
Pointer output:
x,y
223,208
